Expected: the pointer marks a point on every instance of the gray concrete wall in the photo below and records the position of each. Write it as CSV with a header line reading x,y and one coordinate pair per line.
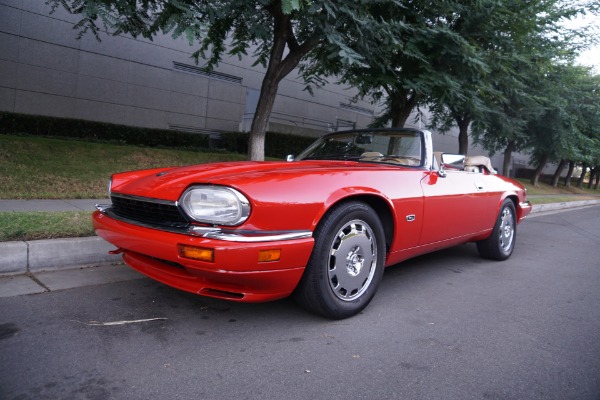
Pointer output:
x,y
45,70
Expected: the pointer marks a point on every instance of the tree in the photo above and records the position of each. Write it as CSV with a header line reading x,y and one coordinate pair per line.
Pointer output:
x,y
280,33
568,127
516,40
588,120
559,170
570,172
491,32
444,54
422,55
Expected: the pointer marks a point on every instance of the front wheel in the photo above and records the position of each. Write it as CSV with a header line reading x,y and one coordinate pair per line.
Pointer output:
x,y
346,266
500,245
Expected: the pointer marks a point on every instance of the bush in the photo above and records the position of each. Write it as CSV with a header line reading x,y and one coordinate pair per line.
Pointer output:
x,y
98,131
281,144
277,144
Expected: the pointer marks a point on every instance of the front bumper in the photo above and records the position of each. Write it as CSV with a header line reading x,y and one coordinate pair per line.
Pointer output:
x,y
523,211
236,273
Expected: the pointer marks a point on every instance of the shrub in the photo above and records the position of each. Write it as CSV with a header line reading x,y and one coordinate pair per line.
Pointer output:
x,y
98,131
277,144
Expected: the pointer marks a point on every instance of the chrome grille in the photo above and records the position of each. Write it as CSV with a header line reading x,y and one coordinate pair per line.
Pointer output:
x,y
149,211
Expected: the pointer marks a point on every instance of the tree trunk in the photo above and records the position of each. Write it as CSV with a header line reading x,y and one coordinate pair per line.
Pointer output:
x,y
535,179
278,68
570,173
463,134
597,178
559,170
593,173
256,140
582,177
508,157
402,103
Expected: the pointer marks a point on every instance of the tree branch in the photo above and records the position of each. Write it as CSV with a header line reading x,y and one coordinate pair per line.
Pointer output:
x,y
292,42
292,59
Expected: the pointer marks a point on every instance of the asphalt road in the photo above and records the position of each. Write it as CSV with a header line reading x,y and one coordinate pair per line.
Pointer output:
x,y
444,326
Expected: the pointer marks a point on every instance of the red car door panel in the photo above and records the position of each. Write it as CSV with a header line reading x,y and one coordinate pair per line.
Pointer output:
x,y
455,206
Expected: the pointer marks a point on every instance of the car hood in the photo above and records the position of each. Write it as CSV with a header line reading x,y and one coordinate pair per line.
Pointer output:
x,y
169,183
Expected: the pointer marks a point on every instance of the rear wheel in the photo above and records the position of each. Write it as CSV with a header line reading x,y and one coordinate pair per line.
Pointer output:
x,y
500,244
347,262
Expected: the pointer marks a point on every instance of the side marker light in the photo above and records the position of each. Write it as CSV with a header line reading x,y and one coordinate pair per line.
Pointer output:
x,y
196,253
269,255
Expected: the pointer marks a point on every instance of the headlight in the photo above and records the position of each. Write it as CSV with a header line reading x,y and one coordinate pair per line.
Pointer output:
x,y
216,205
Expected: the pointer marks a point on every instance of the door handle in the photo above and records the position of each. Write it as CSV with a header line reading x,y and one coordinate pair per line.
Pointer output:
x,y
479,186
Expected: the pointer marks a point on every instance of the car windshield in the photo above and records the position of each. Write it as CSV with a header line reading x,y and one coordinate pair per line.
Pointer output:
x,y
403,147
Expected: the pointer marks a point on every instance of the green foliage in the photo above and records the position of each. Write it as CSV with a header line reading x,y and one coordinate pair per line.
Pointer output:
x,y
278,145
569,127
287,6
90,130
520,42
420,52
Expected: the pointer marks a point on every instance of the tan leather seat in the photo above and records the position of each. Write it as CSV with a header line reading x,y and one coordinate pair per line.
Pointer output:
x,y
478,162
371,156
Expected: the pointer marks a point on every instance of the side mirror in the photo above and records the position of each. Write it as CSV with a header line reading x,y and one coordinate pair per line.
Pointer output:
x,y
451,161
290,158
454,161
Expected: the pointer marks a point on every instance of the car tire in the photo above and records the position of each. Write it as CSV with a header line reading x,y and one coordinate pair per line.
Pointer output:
x,y
499,246
347,262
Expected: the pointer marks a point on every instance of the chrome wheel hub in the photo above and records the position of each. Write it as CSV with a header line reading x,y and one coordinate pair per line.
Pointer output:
x,y
507,229
352,260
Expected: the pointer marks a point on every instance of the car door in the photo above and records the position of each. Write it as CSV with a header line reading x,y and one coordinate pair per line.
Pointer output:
x,y
455,205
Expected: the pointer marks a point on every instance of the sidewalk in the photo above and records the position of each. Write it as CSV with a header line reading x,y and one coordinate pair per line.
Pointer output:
x,y
46,265
51,205
540,208
34,256
40,266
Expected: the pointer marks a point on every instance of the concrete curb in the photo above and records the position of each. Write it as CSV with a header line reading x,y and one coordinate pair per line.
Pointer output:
x,y
60,254
537,208
55,254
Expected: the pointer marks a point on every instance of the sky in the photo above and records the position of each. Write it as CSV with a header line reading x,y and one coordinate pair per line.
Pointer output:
x,y
590,57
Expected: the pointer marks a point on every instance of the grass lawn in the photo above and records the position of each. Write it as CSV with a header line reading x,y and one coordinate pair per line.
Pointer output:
x,y
42,168
546,189
560,199
545,193
44,225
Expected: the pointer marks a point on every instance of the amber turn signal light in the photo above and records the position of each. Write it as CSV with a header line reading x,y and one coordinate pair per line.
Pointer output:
x,y
269,255
196,253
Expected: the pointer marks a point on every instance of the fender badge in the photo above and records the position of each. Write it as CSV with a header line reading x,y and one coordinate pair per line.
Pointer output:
x,y
410,218
162,173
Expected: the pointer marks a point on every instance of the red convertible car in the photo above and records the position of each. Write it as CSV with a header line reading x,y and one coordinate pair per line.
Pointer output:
x,y
321,227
